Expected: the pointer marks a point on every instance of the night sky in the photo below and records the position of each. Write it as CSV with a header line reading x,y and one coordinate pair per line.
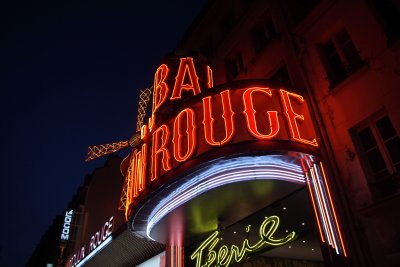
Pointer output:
x,y
70,75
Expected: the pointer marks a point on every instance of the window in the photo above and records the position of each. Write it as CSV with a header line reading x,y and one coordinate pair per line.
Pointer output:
x,y
379,146
388,12
262,33
234,65
340,57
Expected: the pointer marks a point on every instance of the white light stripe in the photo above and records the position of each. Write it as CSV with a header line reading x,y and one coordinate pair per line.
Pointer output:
x,y
207,185
325,208
94,252
327,211
316,210
254,177
325,199
321,209
220,180
228,171
337,227
320,190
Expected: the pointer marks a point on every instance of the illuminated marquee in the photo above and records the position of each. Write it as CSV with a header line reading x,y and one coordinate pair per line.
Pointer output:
x,y
194,129
191,118
207,255
195,123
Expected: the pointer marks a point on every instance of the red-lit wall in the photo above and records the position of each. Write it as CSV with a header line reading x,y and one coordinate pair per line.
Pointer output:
x,y
373,89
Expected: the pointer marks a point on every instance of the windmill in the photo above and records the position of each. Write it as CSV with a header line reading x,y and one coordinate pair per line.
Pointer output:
x,y
97,151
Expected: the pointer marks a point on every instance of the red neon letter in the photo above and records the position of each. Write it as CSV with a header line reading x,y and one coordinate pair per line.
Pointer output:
x,y
140,171
250,113
190,132
210,79
161,134
292,117
160,87
227,115
186,66
129,182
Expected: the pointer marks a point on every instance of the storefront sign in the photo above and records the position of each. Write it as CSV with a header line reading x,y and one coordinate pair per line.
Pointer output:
x,y
192,118
97,241
194,125
207,254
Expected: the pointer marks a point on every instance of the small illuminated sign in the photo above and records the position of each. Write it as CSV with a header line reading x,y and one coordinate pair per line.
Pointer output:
x,y
67,225
101,235
207,254
97,242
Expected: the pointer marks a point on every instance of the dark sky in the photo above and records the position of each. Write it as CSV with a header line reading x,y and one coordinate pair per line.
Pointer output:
x,y
70,75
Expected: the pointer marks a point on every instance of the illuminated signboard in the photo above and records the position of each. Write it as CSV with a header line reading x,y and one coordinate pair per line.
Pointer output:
x,y
67,225
195,124
191,118
65,235
97,242
207,255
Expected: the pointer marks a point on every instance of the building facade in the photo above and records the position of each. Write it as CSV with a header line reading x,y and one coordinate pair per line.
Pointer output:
x,y
273,141
345,56
92,231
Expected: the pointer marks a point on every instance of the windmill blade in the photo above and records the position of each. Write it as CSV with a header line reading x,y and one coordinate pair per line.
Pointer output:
x,y
97,151
144,99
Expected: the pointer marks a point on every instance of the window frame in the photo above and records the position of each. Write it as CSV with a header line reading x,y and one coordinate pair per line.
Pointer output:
x,y
333,75
371,123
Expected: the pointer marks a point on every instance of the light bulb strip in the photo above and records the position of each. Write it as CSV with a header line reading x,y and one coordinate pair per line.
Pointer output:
x,y
227,172
185,188
220,180
194,192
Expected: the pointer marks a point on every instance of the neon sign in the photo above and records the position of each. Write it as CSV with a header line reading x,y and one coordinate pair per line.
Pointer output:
x,y
190,118
67,225
65,235
207,255
97,241
194,122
